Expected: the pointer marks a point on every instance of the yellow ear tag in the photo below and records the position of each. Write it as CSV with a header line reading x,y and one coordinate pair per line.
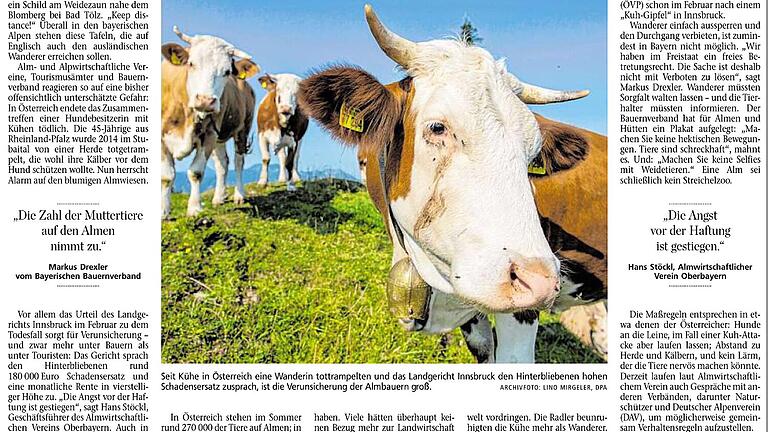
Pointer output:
x,y
351,119
175,59
537,166
242,75
263,84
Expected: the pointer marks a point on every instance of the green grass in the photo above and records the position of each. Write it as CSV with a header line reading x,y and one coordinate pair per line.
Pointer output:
x,y
297,277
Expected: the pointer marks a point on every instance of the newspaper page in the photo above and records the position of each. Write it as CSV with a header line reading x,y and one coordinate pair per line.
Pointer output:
x,y
383,217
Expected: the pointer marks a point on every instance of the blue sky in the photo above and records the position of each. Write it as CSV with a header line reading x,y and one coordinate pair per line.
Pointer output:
x,y
559,44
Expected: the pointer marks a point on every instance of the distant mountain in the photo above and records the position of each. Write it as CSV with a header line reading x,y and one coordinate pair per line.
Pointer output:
x,y
251,174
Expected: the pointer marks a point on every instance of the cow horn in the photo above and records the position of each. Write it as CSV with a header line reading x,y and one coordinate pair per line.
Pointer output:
x,y
532,94
399,49
181,35
238,53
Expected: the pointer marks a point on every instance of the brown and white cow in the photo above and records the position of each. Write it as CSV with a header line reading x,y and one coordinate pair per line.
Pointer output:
x,y
205,102
282,125
454,140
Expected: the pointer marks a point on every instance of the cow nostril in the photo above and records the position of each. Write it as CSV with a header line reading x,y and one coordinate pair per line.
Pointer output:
x,y
512,273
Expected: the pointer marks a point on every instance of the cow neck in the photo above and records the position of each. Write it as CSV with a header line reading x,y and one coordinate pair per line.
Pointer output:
x,y
383,156
404,85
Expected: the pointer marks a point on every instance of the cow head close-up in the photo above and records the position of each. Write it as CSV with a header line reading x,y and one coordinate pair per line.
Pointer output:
x,y
455,139
286,87
210,61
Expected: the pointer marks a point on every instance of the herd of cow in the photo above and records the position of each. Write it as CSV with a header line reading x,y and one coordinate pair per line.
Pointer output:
x,y
446,155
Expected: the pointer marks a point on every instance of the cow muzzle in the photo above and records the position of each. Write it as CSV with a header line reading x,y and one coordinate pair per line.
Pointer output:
x,y
532,285
523,284
206,104
284,115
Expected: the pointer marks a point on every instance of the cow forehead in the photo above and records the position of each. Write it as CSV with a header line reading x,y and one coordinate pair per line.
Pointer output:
x,y
287,82
453,59
468,75
210,50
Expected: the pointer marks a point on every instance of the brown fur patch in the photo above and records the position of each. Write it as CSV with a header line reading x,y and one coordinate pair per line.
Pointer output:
x,y
322,94
176,117
434,208
238,103
267,118
168,50
246,67
562,146
267,82
385,113
401,155
435,205
573,205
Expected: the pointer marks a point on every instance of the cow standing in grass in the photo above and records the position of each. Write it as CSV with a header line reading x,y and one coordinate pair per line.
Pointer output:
x,y
282,125
205,102
447,151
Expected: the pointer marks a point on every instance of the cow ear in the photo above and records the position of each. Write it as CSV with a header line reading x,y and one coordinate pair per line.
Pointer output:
x,y
245,69
562,147
351,104
175,53
267,82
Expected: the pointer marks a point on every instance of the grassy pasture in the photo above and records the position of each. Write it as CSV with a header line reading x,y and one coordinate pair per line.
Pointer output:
x,y
298,277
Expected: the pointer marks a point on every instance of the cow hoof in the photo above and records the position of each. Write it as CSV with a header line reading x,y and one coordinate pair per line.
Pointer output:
x,y
290,187
238,199
218,201
192,212
262,183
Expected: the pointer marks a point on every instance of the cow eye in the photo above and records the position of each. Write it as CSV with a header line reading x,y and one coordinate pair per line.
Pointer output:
x,y
437,128
227,73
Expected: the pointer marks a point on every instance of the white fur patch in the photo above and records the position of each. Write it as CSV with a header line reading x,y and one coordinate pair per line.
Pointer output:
x,y
179,146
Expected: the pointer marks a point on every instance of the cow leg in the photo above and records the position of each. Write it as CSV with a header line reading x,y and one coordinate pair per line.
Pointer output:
x,y
167,177
286,150
264,148
480,338
221,163
282,156
516,338
195,174
295,170
240,149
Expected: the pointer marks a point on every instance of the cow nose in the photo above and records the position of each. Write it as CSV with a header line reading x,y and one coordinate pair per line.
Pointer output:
x,y
205,103
285,112
536,280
